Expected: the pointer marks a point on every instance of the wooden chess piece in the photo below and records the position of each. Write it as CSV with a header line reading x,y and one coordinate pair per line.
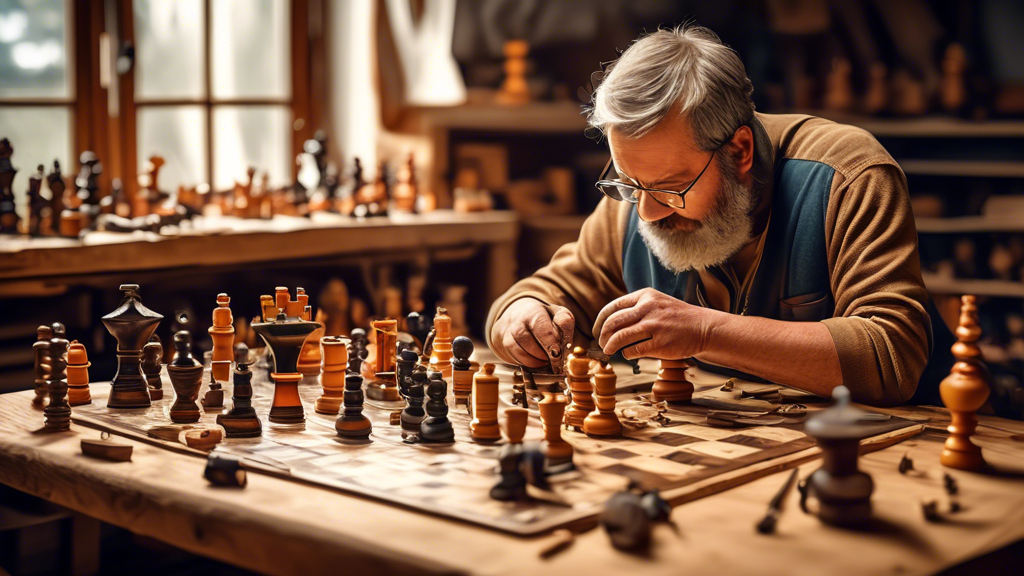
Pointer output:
x,y
603,423
285,336
222,332
441,353
413,415
214,397
43,366
38,205
359,312
186,375
577,367
404,194
514,89
359,350
392,302
57,413
334,363
838,89
352,423
462,371
552,412
908,95
484,426
241,421
964,391
334,303
453,300
78,375
405,364
671,384
953,86
8,211
55,181
513,481
152,364
876,95
437,427
131,324
309,356
384,385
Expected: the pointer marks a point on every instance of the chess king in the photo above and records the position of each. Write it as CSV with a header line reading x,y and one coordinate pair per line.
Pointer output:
x,y
779,246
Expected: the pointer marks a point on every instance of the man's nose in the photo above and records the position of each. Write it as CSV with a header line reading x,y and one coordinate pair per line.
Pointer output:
x,y
650,210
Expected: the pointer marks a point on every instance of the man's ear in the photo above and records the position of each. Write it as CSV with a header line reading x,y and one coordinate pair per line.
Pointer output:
x,y
741,147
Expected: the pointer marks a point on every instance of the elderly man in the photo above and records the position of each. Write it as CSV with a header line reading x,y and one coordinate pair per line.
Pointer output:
x,y
778,246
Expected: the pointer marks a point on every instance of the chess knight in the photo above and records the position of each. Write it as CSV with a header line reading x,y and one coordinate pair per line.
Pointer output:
x,y
780,246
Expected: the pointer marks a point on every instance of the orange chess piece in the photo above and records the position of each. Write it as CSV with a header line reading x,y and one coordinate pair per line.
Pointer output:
x,y
78,375
964,391
384,385
577,366
223,335
334,354
604,422
672,385
484,427
441,355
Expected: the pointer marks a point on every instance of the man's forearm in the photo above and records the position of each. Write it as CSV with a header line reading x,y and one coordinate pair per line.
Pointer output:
x,y
798,354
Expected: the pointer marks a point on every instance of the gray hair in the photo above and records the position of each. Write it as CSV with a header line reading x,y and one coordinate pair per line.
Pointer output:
x,y
689,67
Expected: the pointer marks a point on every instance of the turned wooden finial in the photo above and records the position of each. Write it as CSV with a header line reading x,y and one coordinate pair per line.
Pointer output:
x,y
964,391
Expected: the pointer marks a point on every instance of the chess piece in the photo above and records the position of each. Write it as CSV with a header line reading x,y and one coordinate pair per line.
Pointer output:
x,y
222,332
418,326
405,364
8,212
78,375
242,350
441,351
514,90
334,363
384,385
392,302
453,300
577,367
964,391
359,351
241,421
186,375
437,427
405,193
359,312
484,426
106,449
285,336
908,94
152,364
413,415
205,439
57,413
603,423
552,411
334,302
671,384
838,89
513,480
462,371
352,423
55,181
953,86
43,367
214,397
38,205
131,324
843,492
309,357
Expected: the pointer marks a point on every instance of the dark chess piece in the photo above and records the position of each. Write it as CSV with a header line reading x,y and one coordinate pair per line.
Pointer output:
x,y
186,377
38,205
628,517
285,336
58,412
8,212
131,324
462,369
358,351
214,397
352,423
510,460
437,427
152,364
241,353
241,421
88,181
419,326
404,365
59,331
43,366
413,415
55,181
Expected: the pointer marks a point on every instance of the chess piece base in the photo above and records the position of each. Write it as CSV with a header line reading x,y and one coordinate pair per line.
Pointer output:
x,y
58,418
156,393
287,407
437,430
328,405
842,500
353,427
558,452
79,396
383,390
186,381
600,425
666,391
240,425
213,399
575,416
485,432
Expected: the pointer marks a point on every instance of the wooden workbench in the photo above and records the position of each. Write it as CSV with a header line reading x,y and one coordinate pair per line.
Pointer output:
x,y
284,527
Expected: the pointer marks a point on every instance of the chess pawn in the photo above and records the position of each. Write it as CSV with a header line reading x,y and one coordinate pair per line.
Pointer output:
x,y
413,415
334,363
577,366
404,194
671,384
437,427
964,391
405,364
186,377
78,375
513,482
514,89
152,364
603,423
223,335
552,411
462,370
441,353
241,421
43,366
57,413
241,353
352,423
214,397
484,426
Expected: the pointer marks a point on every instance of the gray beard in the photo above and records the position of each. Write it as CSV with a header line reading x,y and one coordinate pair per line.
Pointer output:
x,y
718,237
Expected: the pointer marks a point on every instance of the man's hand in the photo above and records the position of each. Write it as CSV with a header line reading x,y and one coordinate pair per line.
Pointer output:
x,y
650,324
532,333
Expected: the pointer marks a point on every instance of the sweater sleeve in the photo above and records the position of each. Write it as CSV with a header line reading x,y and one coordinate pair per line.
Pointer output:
x,y
583,276
881,326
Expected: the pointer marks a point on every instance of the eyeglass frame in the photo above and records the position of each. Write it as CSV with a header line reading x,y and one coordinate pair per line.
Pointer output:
x,y
618,183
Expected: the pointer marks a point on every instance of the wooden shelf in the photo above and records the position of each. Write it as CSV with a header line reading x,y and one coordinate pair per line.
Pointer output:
x,y
966,168
960,286
1014,223
928,126
482,113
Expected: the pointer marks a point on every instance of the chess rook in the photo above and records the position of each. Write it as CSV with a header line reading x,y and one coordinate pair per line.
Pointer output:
x,y
484,426
384,385
462,370
964,391
437,427
43,366
352,423
131,324
441,353
186,375
223,335
241,421
57,413
603,423
333,364
78,375
577,367
552,412
152,363
672,385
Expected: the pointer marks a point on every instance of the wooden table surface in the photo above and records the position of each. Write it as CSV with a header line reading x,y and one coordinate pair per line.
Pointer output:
x,y
282,527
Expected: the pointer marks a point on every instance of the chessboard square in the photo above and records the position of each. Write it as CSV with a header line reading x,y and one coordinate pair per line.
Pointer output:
x,y
777,433
670,469
673,439
651,449
703,432
617,453
724,450
752,441
697,460
644,478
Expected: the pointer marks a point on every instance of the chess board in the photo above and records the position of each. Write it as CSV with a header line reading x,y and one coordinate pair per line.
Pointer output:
x,y
683,459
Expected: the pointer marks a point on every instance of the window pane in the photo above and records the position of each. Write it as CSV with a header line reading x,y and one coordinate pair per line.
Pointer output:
x,y
33,49
257,136
169,49
250,49
38,136
178,133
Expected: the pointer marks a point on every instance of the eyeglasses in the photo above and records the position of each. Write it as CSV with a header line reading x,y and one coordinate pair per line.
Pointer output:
x,y
625,191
